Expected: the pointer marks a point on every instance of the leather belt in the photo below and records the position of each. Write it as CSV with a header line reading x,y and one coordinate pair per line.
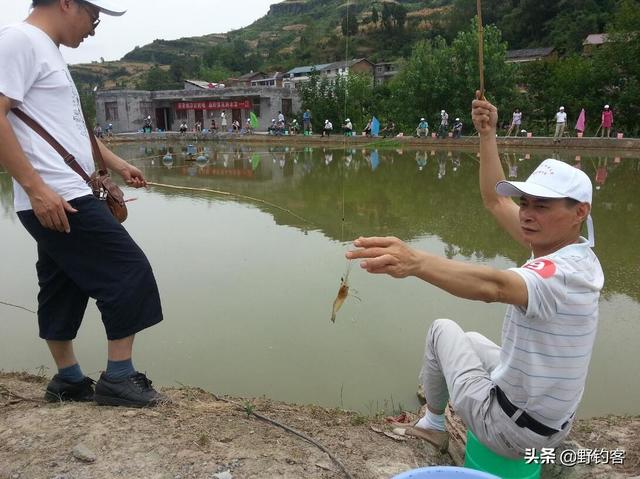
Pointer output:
x,y
524,420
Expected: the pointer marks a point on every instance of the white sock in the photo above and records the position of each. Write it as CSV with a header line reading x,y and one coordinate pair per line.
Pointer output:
x,y
432,421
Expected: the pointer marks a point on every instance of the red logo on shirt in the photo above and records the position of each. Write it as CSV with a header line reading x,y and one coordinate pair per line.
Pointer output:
x,y
543,267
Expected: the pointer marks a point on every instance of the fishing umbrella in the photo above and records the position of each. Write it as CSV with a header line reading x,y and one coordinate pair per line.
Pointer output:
x,y
375,126
254,120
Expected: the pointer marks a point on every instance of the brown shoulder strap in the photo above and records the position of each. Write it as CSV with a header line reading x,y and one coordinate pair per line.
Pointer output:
x,y
68,158
95,148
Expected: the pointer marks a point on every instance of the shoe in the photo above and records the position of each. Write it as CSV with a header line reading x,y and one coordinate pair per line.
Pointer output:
x,y
134,391
59,389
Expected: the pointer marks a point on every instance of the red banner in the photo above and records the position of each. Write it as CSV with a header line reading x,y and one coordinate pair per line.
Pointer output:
x,y
214,105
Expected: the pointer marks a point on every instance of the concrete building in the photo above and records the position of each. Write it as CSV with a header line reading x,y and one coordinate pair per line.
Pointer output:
x,y
273,79
384,72
198,101
301,74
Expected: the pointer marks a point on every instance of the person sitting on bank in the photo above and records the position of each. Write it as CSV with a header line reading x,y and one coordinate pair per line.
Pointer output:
x,y
213,128
347,128
235,126
367,129
183,128
273,127
389,130
294,128
524,394
328,128
457,128
148,125
423,128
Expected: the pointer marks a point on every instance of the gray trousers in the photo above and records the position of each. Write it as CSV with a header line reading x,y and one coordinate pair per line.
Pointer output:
x,y
457,366
559,130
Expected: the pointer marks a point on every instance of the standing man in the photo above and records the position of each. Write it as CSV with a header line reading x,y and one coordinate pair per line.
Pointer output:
x,y
561,122
523,394
306,121
82,250
444,124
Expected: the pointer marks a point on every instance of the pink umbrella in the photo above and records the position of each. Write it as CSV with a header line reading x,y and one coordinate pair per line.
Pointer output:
x,y
582,119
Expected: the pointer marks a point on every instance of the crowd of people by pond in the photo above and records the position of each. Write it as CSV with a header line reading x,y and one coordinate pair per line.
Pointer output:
x,y
444,127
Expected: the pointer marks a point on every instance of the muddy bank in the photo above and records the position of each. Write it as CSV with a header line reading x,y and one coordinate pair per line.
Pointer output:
x,y
199,435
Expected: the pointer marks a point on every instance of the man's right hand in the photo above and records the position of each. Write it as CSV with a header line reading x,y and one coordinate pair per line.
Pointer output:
x,y
51,209
484,115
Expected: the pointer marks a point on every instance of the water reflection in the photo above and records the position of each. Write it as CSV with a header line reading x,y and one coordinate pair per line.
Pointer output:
x,y
381,192
429,197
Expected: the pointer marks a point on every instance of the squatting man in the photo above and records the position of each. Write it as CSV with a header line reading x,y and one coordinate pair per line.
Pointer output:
x,y
524,393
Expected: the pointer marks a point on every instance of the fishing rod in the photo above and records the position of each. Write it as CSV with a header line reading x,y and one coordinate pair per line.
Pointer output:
x,y
480,47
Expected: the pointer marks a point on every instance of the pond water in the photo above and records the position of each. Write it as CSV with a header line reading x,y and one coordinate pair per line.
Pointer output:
x,y
247,287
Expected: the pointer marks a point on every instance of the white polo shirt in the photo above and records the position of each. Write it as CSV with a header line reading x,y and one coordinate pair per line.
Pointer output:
x,y
546,348
36,78
561,117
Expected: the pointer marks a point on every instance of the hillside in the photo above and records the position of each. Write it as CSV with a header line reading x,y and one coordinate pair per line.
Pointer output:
x,y
300,32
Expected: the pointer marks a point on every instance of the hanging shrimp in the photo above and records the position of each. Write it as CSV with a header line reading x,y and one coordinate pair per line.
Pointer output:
x,y
343,292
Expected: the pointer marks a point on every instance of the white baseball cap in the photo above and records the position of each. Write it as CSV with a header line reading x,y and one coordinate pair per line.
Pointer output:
x,y
553,179
562,108
107,7
606,106
421,119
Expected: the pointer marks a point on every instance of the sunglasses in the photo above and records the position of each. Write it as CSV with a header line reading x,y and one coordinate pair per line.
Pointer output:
x,y
95,21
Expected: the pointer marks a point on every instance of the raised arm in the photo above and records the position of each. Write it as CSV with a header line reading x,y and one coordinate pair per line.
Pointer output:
x,y
504,210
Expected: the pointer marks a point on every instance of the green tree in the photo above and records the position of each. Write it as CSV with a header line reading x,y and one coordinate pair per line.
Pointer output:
x,y
157,79
441,76
351,96
375,17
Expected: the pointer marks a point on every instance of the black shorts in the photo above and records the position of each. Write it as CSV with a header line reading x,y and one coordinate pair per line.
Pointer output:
x,y
97,259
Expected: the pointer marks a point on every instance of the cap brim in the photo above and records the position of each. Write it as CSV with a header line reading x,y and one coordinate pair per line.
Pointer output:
x,y
108,8
519,188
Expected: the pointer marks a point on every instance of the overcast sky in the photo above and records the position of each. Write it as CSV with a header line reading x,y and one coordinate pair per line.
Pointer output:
x,y
147,20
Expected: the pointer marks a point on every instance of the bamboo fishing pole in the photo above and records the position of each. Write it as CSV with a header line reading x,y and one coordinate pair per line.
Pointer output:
x,y
480,48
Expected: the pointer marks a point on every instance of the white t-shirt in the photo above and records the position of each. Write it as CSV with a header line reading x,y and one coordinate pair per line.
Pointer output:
x,y
546,348
36,78
561,117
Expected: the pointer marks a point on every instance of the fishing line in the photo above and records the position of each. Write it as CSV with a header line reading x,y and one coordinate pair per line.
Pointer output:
x,y
18,307
233,195
346,93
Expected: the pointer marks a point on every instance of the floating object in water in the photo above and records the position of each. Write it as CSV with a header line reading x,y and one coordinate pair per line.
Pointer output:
x,y
167,160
